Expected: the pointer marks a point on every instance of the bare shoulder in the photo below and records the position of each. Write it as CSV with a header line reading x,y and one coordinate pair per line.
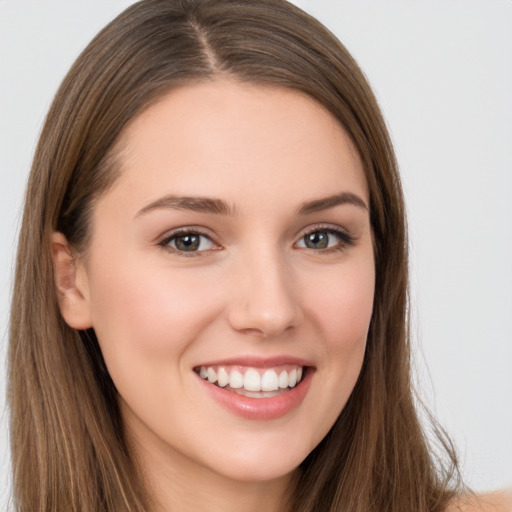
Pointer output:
x,y
497,501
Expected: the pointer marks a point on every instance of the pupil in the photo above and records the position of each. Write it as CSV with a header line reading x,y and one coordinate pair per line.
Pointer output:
x,y
318,240
187,242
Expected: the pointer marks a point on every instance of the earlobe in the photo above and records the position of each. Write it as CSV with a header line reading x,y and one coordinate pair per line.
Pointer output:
x,y
71,284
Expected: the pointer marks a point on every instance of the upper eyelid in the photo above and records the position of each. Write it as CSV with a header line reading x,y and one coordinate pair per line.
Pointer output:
x,y
185,231
324,227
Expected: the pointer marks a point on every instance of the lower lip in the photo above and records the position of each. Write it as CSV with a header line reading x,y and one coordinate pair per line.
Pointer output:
x,y
261,408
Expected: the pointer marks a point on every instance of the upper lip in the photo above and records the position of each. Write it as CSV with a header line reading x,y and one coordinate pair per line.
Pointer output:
x,y
258,361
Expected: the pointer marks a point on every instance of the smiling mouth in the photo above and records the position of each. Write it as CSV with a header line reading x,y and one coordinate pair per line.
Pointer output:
x,y
251,381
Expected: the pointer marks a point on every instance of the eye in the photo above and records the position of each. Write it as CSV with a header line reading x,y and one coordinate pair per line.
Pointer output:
x,y
188,241
325,239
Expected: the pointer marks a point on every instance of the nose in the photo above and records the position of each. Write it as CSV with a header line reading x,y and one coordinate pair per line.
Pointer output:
x,y
265,296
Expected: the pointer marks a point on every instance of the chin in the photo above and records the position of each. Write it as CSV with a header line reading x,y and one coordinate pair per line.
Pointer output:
x,y
260,460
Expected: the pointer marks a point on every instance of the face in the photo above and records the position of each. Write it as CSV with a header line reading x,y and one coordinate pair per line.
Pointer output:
x,y
233,253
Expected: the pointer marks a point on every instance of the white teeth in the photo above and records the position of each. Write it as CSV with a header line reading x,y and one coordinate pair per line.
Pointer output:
x,y
269,381
223,377
283,379
212,375
292,378
236,379
252,380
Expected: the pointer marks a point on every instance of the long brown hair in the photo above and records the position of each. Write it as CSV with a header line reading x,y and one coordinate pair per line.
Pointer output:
x,y
68,449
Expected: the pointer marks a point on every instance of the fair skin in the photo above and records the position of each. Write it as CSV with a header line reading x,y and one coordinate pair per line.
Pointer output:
x,y
276,274
498,501
267,277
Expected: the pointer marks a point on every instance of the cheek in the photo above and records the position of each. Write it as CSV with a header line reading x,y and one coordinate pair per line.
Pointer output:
x,y
341,308
143,309
347,318
344,305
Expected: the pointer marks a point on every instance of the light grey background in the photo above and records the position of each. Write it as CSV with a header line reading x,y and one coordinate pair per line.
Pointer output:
x,y
442,71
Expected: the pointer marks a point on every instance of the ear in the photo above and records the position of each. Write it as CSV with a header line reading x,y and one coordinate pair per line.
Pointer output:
x,y
71,283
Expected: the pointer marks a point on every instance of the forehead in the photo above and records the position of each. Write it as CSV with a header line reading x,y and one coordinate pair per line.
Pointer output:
x,y
216,138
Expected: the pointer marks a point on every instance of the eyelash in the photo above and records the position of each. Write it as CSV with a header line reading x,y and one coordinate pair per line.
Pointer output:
x,y
345,240
182,233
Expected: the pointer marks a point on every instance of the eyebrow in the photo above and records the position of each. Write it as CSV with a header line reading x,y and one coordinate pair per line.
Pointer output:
x,y
191,203
220,207
318,205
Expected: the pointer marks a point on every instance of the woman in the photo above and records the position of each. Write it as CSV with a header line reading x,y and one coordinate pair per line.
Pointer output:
x,y
210,298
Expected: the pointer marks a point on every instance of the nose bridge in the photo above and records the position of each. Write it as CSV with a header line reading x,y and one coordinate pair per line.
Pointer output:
x,y
266,300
